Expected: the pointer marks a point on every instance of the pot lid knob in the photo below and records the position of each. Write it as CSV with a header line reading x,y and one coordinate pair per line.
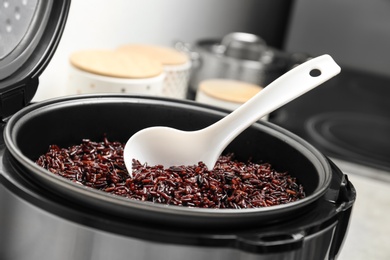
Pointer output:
x,y
243,46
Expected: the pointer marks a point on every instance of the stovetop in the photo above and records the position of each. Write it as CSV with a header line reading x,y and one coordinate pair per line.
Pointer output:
x,y
346,118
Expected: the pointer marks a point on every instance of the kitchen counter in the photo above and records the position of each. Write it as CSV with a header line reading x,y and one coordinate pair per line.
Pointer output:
x,y
368,236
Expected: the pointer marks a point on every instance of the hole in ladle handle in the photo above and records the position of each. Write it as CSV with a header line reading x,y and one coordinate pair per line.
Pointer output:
x,y
315,72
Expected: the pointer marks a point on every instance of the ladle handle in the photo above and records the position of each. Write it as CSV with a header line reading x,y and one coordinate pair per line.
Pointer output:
x,y
289,86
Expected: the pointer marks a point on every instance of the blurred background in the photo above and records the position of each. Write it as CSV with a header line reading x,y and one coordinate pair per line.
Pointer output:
x,y
355,32
101,24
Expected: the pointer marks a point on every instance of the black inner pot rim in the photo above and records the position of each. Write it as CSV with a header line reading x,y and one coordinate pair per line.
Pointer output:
x,y
77,190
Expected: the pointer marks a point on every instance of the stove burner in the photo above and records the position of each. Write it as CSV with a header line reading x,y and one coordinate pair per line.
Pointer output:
x,y
362,138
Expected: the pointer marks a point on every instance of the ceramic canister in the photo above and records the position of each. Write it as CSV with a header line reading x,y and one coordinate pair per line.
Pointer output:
x,y
226,93
176,66
108,71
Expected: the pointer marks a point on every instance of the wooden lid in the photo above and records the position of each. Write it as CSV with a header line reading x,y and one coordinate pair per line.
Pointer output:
x,y
229,90
116,64
167,56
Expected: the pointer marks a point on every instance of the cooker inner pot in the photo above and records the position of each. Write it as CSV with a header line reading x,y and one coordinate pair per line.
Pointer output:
x,y
67,121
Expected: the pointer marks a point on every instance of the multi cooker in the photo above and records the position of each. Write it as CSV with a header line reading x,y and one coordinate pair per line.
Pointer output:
x,y
44,216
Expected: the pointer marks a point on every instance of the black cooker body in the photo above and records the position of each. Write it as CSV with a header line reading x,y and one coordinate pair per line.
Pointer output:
x,y
66,121
317,234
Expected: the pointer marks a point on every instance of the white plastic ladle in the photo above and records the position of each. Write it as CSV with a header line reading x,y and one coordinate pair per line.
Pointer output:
x,y
172,147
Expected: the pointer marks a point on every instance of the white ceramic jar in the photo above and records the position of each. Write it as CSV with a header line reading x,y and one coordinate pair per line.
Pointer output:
x,y
226,93
108,71
176,66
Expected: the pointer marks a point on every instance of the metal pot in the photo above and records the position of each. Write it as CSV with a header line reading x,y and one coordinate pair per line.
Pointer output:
x,y
59,208
239,56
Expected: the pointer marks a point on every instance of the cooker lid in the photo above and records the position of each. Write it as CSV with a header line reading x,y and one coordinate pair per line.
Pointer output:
x,y
29,33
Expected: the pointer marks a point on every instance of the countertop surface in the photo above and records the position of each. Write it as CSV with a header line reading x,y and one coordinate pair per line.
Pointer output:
x,y
368,237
